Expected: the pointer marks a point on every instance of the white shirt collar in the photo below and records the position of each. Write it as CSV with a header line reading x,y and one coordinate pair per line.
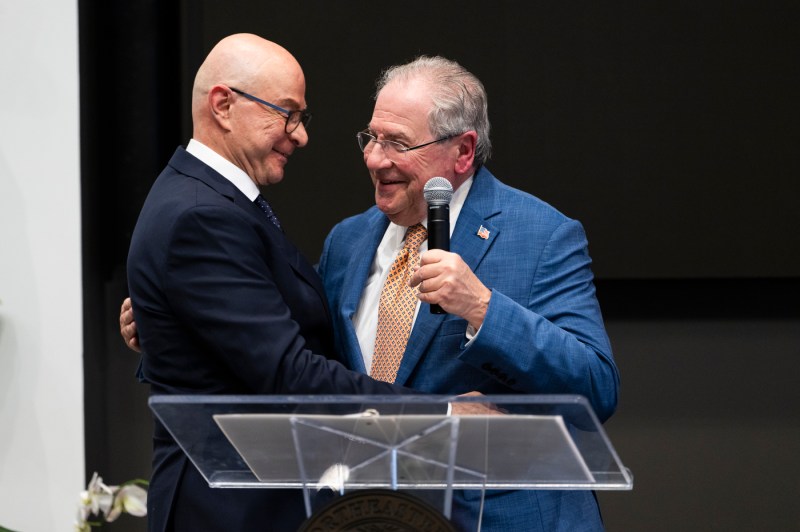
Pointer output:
x,y
224,167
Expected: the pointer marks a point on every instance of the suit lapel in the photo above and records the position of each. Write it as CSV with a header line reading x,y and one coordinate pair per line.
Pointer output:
x,y
193,167
353,286
302,268
466,242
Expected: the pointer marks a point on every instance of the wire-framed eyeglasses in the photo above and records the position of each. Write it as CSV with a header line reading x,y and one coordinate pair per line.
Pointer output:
x,y
367,141
293,118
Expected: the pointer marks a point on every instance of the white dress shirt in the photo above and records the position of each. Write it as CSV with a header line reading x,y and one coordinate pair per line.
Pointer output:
x,y
365,320
227,169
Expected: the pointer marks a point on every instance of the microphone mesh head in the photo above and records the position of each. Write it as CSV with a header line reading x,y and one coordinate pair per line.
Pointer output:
x,y
438,191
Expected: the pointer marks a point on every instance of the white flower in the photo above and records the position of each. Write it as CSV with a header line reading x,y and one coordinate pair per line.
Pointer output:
x,y
97,498
106,503
130,499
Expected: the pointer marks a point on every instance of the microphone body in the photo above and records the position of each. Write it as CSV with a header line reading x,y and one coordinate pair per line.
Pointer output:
x,y
438,191
439,227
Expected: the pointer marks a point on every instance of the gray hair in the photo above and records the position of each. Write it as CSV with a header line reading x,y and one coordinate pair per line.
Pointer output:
x,y
459,99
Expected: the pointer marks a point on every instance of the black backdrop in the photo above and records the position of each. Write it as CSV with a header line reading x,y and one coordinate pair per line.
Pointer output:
x,y
668,131
664,127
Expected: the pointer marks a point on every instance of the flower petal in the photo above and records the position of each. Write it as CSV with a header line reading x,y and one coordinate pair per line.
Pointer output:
x,y
134,499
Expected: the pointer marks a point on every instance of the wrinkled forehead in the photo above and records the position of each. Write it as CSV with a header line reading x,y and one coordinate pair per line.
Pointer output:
x,y
402,110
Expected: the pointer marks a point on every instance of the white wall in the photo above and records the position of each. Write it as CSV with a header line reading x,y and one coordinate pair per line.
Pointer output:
x,y
41,341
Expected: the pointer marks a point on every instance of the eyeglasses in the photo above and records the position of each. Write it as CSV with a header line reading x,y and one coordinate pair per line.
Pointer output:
x,y
391,147
293,118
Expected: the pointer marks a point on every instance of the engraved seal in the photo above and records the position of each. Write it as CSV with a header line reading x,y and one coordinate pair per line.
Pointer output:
x,y
377,511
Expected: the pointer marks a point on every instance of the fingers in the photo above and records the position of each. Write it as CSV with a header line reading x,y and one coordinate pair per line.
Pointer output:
x,y
130,336
432,256
125,313
474,408
127,326
444,279
433,263
125,318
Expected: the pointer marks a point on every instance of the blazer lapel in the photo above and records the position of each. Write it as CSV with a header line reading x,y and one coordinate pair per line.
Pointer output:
x,y
358,267
303,268
193,167
296,260
471,243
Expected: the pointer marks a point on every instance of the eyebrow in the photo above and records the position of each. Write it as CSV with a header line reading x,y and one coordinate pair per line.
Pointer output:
x,y
397,137
291,104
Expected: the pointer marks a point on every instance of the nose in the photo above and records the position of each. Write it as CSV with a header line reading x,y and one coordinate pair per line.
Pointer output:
x,y
299,136
376,160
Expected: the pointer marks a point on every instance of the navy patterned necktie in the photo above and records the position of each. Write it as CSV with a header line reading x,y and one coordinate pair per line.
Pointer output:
x,y
264,206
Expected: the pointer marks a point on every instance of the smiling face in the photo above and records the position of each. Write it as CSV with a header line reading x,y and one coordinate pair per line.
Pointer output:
x,y
258,141
401,114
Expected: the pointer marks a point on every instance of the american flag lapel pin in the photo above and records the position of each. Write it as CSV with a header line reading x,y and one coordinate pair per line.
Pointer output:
x,y
483,232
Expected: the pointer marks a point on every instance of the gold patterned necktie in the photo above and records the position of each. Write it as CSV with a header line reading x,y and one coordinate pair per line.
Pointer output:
x,y
396,308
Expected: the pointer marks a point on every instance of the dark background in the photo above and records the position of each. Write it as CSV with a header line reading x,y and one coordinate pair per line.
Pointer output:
x,y
665,127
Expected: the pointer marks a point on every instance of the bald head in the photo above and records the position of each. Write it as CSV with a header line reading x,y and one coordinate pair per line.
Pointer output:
x,y
229,110
247,62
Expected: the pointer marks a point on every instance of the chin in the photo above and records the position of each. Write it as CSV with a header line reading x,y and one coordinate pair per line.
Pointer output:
x,y
387,211
403,218
273,178
383,205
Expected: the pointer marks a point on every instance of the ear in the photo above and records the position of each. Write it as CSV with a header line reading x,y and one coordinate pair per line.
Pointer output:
x,y
466,152
219,102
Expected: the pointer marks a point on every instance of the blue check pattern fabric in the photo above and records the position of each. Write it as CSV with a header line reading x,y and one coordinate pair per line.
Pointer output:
x,y
264,206
396,308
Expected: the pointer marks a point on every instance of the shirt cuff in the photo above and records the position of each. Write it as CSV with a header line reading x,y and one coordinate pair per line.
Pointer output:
x,y
472,333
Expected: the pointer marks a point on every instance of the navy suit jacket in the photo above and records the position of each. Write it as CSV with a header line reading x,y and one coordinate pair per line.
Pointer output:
x,y
543,332
225,304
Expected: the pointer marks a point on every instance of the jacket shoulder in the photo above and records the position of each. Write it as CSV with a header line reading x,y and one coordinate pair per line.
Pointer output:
x,y
514,202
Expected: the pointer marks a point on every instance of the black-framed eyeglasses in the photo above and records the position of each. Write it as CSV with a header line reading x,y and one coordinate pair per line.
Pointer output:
x,y
293,118
366,141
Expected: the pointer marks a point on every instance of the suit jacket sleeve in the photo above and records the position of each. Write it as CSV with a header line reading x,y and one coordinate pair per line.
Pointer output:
x,y
556,342
218,282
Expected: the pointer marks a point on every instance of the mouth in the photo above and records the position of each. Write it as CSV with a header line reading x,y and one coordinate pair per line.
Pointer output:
x,y
387,182
285,155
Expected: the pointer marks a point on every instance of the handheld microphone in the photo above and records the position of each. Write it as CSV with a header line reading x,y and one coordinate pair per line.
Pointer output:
x,y
438,192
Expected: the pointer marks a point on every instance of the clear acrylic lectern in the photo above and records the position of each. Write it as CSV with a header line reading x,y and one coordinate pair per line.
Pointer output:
x,y
338,444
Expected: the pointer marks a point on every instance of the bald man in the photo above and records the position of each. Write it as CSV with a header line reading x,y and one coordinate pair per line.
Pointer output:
x,y
224,303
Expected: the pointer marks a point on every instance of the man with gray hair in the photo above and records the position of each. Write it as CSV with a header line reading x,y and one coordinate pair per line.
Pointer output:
x,y
517,288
